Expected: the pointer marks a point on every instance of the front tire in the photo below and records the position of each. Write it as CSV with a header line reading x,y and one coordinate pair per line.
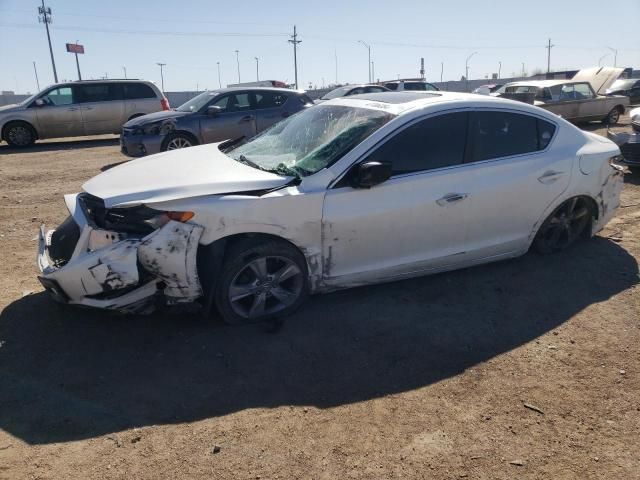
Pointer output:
x,y
19,134
564,226
176,141
261,280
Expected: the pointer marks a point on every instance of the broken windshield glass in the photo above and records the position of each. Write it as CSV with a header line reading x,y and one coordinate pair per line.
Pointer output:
x,y
311,140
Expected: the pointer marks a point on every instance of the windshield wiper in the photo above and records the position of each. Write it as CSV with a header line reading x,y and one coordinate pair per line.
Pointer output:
x,y
246,161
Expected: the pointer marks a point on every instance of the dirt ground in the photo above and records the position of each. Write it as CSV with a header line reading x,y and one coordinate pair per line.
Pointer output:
x,y
426,378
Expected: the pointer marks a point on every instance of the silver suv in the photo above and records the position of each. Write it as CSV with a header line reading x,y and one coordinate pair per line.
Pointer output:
x,y
93,107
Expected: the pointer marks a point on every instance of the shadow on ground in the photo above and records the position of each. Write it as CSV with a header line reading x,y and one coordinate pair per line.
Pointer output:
x,y
55,145
68,374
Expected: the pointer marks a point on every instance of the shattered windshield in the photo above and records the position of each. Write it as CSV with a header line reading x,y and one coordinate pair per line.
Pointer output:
x,y
311,140
196,103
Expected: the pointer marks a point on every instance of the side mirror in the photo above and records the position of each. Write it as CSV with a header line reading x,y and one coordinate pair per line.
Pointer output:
x,y
369,174
39,102
213,111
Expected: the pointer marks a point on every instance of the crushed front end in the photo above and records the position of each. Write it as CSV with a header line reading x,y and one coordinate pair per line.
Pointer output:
x,y
125,259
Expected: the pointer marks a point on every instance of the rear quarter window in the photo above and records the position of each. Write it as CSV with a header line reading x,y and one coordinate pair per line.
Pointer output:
x,y
134,91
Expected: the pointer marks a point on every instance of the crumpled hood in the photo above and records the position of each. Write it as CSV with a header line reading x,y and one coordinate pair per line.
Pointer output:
x,y
154,117
178,174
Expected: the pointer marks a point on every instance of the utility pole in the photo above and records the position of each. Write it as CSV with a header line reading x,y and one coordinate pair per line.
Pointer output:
x,y
238,63
441,70
124,69
335,54
219,81
615,56
257,70
36,72
294,41
368,47
523,69
549,47
161,65
466,71
373,74
499,69
45,17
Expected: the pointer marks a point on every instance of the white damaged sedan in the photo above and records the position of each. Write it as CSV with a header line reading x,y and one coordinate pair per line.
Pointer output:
x,y
354,191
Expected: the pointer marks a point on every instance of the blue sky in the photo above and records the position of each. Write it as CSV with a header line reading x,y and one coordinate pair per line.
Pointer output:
x,y
190,36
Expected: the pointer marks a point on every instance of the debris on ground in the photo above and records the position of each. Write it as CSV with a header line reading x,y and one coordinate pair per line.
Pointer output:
x,y
533,407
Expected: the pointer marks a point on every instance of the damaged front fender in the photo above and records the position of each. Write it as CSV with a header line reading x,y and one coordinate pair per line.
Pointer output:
x,y
127,274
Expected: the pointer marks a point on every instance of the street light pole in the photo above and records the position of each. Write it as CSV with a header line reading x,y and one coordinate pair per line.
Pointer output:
x,y
441,70
523,69
124,69
368,47
466,71
219,81
615,56
161,65
238,63
36,72
602,57
499,69
257,70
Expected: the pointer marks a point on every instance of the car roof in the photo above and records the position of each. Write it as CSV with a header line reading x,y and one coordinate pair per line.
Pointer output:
x,y
399,103
255,89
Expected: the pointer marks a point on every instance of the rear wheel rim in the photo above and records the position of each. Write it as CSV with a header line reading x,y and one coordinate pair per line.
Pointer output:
x,y
265,286
566,225
178,142
19,135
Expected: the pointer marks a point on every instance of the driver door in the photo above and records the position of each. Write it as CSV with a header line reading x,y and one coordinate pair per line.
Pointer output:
x,y
59,115
236,118
413,222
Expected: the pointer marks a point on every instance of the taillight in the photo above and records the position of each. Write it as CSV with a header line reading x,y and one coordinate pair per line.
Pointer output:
x,y
165,104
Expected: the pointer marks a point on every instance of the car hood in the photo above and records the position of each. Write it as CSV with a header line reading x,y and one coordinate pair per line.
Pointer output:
x,y
154,117
9,108
178,174
600,78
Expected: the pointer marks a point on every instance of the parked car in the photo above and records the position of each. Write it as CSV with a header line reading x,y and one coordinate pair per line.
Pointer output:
x,y
580,99
629,142
91,107
414,85
348,90
212,116
487,89
629,87
353,191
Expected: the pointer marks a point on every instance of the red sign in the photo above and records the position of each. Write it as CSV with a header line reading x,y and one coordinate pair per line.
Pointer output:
x,y
75,48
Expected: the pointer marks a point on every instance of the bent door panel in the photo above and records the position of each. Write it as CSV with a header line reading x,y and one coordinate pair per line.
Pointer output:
x,y
404,225
514,180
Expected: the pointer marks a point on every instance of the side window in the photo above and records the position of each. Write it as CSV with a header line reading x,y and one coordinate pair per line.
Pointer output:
x,y
392,86
374,89
582,91
99,92
59,96
432,143
567,93
233,102
502,134
545,133
356,91
270,100
138,90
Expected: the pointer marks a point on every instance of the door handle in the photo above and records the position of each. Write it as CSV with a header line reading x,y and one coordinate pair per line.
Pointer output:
x,y
246,118
450,198
550,176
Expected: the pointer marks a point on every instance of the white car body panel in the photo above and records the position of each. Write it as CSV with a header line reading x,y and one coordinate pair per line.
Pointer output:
x,y
348,236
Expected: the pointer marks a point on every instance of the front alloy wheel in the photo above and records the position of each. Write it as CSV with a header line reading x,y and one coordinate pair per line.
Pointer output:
x,y
564,226
261,281
178,141
19,135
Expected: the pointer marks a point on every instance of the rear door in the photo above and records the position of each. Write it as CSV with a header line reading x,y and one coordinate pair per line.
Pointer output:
x,y
102,106
271,107
516,177
590,106
59,115
236,119
140,99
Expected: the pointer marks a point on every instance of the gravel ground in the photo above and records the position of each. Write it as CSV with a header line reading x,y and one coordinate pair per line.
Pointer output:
x,y
523,369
